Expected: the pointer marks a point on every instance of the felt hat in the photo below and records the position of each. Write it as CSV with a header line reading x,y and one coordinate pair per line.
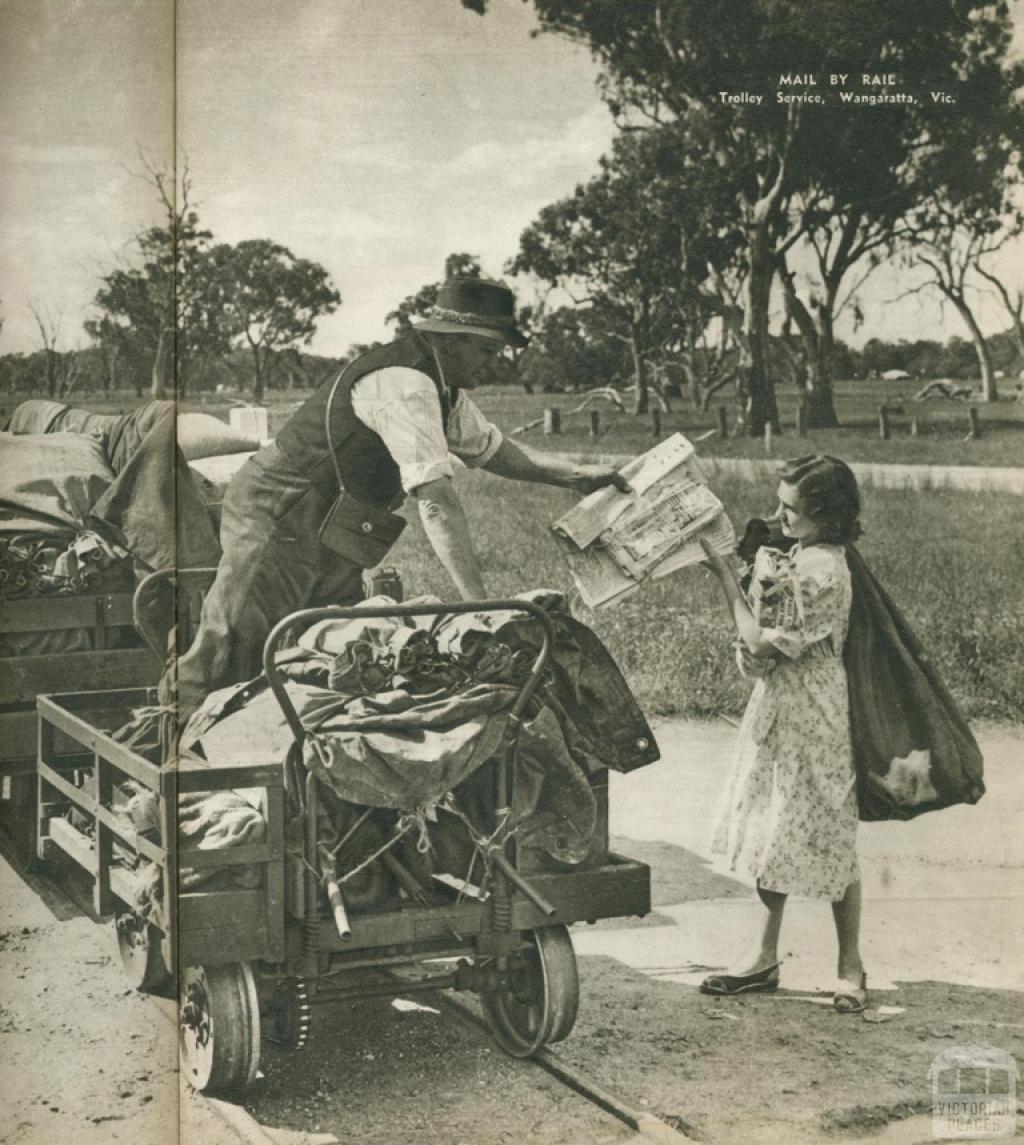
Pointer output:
x,y
474,306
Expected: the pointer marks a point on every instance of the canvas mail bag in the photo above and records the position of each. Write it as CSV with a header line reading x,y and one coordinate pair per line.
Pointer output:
x,y
912,749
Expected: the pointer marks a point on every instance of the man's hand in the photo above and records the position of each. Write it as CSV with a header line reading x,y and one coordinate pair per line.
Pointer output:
x,y
589,478
521,464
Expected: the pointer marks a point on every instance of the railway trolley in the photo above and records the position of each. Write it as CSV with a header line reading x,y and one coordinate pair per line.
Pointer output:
x,y
257,962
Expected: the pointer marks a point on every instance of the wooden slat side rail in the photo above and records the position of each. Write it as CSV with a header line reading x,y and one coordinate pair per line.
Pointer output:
x,y
243,941
200,775
57,613
25,677
214,858
223,926
89,804
123,758
103,699
72,842
79,847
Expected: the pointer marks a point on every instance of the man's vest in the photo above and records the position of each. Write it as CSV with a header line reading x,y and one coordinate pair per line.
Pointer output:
x,y
368,471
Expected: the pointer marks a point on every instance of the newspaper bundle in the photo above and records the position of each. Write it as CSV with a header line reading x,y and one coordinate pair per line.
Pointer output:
x,y
614,541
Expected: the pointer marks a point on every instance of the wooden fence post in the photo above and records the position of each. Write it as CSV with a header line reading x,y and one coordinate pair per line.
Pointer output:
x,y
915,429
801,421
768,437
975,423
595,424
883,423
552,421
656,421
723,423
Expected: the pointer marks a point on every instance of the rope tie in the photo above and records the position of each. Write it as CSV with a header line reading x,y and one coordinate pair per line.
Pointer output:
x,y
318,744
418,817
376,855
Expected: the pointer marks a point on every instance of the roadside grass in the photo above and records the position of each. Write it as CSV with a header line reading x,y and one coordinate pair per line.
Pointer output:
x,y
951,560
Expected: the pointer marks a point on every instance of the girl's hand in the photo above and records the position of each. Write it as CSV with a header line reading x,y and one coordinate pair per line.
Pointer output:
x,y
751,666
715,561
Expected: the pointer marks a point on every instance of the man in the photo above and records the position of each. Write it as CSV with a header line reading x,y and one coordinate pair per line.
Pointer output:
x,y
307,514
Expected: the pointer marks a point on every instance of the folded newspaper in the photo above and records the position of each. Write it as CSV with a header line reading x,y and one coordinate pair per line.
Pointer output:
x,y
615,541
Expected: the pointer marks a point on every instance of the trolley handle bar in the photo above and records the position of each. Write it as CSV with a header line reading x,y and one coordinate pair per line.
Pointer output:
x,y
350,612
142,591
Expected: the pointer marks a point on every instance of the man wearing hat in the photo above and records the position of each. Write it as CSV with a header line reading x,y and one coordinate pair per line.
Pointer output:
x,y
307,514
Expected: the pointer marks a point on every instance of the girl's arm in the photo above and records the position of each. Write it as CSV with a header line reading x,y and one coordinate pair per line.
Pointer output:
x,y
748,629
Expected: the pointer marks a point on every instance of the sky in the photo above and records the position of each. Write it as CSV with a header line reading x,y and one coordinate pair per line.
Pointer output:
x,y
372,136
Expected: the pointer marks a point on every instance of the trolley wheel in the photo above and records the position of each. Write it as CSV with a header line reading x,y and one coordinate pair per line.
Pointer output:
x,y
537,1001
219,1027
138,942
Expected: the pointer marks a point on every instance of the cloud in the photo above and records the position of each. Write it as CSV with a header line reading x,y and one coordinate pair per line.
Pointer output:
x,y
533,161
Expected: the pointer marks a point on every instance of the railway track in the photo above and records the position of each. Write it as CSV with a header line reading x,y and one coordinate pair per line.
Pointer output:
x,y
643,1125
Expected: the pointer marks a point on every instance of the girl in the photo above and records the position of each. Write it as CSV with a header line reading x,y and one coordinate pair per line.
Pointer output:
x,y
790,817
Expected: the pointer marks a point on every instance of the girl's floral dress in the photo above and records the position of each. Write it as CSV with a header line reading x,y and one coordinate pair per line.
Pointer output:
x,y
789,819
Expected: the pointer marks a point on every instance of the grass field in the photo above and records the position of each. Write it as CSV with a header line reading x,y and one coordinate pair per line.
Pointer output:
x,y
951,560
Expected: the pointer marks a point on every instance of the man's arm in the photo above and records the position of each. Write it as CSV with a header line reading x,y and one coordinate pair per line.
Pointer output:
x,y
522,464
444,522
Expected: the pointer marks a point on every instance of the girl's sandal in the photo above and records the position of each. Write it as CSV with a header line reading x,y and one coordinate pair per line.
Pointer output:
x,y
851,999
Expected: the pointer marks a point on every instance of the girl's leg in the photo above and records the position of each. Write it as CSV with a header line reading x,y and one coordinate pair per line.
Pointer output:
x,y
846,913
768,950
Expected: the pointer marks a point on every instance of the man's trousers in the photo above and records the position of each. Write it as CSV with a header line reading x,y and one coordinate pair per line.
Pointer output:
x,y
273,563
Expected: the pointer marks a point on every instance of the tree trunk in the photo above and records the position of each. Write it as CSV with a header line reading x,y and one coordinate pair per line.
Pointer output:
x,y
51,373
640,375
257,382
160,386
110,373
821,406
989,390
758,390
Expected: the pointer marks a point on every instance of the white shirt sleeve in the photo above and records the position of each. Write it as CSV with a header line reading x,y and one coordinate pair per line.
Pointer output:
x,y
401,405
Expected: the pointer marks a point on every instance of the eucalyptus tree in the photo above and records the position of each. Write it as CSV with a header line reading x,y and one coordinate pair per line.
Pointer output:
x,y
719,66
618,248
268,299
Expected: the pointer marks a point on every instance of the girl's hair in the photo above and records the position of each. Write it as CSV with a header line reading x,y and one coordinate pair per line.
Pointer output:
x,y
828,495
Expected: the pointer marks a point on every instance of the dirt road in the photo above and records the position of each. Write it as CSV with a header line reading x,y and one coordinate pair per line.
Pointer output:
x,y
82,1057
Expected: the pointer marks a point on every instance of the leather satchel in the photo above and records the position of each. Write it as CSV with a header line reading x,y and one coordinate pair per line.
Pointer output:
x,y
361,532
354,529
